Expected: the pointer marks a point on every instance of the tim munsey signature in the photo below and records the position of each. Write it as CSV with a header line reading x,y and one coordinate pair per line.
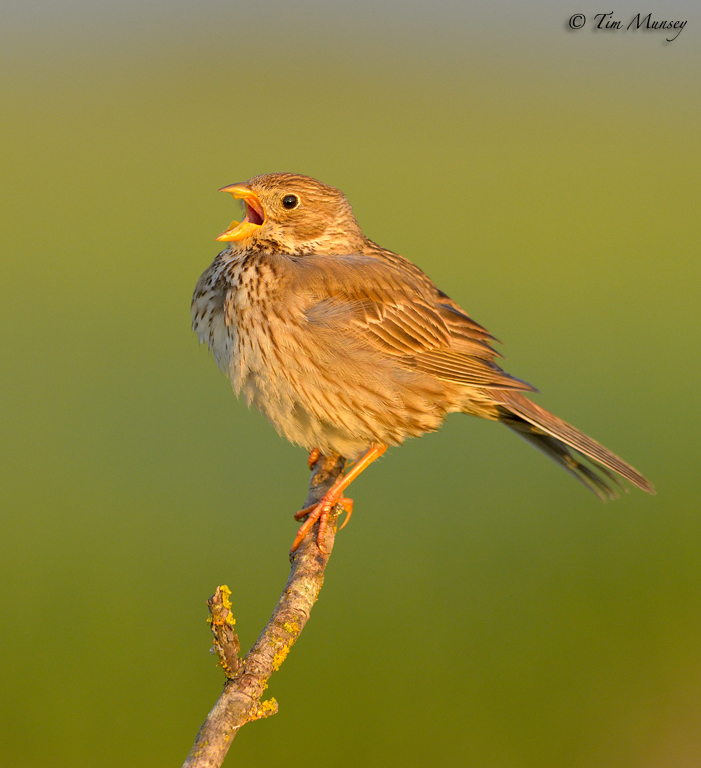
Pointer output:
x,y
603,21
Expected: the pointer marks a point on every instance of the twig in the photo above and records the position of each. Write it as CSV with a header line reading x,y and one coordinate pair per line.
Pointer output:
x,y
240,701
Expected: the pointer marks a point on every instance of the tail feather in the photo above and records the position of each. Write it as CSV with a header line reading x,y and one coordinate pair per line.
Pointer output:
x,y
552,436
557,451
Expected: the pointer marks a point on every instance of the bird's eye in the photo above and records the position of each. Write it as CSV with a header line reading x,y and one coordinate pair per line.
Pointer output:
x,y
290,201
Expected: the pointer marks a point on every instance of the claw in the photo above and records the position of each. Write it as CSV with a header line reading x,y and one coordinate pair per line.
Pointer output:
x,y
348,506
322,510
314,456
321,513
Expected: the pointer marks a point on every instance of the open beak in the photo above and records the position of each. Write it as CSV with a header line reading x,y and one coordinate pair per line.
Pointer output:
x,y
255,215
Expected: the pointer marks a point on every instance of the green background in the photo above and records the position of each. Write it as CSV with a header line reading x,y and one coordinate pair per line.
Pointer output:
x,y
482,609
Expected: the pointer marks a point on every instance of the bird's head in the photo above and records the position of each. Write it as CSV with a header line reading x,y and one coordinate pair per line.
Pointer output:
x,y
293,214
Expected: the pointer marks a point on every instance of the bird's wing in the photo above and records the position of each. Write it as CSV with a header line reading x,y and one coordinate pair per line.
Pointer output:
x,y
406,317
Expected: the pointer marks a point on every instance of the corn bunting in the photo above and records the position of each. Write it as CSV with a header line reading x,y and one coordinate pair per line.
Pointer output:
x,y
348,348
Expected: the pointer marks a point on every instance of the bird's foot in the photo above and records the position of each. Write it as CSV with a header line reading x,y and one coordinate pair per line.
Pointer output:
x,y
321,512
314,456
333,496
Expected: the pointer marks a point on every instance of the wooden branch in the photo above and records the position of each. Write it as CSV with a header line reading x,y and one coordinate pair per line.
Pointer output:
x,y
240,701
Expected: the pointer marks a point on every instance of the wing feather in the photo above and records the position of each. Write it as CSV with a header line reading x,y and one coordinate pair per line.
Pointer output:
x,y
402,314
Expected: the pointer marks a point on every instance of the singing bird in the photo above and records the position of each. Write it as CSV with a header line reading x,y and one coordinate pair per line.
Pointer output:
x,y
348,348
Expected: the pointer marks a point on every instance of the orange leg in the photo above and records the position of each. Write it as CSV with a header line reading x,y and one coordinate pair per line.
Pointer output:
x,y
333,496
314,455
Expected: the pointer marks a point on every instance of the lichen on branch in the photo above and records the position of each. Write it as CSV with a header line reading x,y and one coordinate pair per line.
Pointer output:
x,y
247,678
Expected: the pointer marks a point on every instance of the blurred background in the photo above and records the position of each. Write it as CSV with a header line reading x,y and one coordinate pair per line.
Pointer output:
x,y
482,609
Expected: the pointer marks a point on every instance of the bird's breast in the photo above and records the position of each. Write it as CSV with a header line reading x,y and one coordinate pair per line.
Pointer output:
x,y
246,344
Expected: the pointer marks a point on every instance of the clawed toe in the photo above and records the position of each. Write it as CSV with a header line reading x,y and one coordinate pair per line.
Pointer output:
x,y
314,456
333,496
348,506
304,512
320,512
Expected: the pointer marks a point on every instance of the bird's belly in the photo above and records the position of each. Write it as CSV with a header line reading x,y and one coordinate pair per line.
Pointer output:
x,y
320,393
269,378
314,402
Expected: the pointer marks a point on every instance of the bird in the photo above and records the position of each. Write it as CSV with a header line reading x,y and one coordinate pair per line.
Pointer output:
x,y
348,348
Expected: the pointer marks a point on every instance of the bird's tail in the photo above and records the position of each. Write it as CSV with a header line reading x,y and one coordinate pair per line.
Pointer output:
x,y
555,438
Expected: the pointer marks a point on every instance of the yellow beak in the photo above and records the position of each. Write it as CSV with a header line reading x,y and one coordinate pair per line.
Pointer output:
x,y
255,215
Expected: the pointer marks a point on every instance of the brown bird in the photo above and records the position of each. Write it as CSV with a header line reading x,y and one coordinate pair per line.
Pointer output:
x,y
348,348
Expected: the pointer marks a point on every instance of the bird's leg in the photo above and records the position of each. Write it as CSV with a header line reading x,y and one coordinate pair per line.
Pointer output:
x,y
314,455
333,496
